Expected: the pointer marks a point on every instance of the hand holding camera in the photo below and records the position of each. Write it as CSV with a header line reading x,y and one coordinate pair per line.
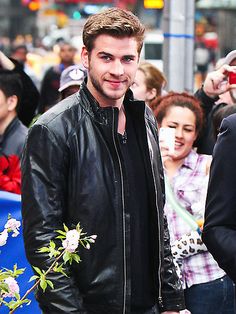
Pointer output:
x,y
167,143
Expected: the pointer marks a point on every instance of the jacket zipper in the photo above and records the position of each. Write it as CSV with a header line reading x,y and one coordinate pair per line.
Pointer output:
x,y
160,301
123,207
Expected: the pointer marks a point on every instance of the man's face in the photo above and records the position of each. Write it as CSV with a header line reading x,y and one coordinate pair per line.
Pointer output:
x,y
67,54
20,55
5,106
111,65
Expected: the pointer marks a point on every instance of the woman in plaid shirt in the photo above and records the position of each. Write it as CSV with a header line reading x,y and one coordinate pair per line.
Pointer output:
x,y
207,289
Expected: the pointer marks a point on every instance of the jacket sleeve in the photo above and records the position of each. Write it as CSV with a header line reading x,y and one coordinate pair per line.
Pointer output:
x,y
206,140
26,110
207,102
219,232
172,293
44,185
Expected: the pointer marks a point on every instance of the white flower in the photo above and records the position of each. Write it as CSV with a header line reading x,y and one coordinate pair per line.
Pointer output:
x,y
3,237
72,235
13,225
72,240
94,236
70,246
15,233
12,287
87,246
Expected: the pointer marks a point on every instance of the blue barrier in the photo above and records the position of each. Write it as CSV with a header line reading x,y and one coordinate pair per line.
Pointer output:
x,y
13,252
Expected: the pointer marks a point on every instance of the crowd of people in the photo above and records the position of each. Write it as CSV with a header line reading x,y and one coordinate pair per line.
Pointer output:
x,y
86,141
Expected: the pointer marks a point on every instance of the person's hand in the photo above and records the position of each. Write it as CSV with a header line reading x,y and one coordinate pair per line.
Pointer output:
x,y
5,62
216,82
166,154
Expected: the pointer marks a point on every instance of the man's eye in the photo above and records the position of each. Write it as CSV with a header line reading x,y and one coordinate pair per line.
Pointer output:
x,y
128,59
106,58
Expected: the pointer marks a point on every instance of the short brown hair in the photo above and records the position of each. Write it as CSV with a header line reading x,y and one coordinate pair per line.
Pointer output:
x,y
184,100
114,22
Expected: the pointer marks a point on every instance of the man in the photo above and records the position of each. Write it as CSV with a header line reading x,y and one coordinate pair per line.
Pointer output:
x,y
71,79
49,94
220,215
29,99
12,131
94,159
214,95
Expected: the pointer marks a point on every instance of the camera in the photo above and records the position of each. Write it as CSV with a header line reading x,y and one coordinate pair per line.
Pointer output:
x,y
232,78
167,136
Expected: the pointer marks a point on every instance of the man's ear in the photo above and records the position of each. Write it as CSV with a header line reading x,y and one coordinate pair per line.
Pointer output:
x,y
85,57
12,102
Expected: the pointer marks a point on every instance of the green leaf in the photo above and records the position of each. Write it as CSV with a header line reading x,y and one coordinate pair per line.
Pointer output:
x,y
76,258
50,284
66,257
38,271
17,296
60,237
65,228
63,233
4,287
52,244
43,284
33,278
44,249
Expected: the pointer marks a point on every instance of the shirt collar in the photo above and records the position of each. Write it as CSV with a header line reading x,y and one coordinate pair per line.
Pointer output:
x,y
190,160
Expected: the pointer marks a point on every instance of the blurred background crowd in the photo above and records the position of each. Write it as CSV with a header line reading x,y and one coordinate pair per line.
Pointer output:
x,y
30,30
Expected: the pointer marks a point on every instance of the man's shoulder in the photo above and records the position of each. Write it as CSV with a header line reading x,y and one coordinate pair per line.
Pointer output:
x,y
67,109
231,119
229,123
16,128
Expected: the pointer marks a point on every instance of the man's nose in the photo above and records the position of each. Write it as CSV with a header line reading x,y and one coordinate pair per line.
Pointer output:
x,y
117,68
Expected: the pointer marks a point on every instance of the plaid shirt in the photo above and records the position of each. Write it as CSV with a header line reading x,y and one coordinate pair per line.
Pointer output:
x,y
190,186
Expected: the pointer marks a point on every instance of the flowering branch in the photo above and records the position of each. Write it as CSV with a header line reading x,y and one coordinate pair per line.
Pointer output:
x,y
68,253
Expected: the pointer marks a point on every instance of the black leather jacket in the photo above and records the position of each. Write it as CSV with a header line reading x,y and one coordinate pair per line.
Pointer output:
x,y
72,173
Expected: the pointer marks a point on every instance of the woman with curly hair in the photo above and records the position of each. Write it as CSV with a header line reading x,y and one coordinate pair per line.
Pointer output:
x,y
206,286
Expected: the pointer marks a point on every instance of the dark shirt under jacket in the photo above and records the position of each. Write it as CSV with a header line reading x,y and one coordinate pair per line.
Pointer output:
x,y
136,206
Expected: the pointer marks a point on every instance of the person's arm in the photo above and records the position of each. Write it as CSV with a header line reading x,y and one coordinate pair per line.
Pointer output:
x,y
219,231
44,186
206,101
188,245
30,96
26,109
215,84
5,62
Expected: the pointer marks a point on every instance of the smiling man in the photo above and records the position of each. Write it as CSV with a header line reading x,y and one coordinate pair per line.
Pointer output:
x,y
94,158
